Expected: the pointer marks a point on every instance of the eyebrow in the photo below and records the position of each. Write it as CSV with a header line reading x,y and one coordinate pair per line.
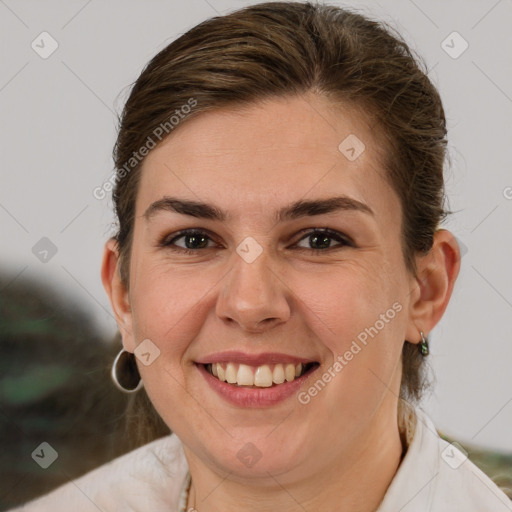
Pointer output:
x,y
296,210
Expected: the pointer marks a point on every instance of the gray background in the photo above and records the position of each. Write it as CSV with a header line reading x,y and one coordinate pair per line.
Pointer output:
x,y
58,128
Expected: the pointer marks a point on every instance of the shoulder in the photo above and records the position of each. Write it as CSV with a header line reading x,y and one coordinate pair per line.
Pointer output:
x,y
148,478
461,483
435,475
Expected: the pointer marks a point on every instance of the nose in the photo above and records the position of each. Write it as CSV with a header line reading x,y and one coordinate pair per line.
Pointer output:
x,y
253,295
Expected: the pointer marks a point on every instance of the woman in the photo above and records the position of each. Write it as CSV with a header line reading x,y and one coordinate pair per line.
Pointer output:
x,y
277,270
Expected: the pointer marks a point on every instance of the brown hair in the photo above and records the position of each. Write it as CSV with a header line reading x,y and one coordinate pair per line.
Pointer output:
x,y
289,48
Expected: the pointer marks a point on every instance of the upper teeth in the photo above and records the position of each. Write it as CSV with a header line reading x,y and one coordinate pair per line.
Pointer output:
x,y
261,376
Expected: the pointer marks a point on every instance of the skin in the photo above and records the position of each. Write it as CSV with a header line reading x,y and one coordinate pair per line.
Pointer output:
x,y
250,163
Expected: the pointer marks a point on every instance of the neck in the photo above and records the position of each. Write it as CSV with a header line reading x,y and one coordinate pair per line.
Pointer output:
x,y
357,481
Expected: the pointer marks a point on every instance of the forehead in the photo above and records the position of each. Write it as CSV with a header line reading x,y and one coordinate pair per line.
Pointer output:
x,y
275,151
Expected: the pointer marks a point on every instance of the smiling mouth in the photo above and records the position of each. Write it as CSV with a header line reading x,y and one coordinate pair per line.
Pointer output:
x,y
263,376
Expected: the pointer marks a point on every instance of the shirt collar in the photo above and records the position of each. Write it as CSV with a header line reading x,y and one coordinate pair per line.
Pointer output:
x,y
414,483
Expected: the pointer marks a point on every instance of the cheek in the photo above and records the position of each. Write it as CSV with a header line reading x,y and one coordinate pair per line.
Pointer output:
x,y
359,316
348,300
165,305
166,309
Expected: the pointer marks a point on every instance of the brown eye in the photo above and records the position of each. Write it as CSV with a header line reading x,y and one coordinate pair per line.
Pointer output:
x,y
193,240
321,240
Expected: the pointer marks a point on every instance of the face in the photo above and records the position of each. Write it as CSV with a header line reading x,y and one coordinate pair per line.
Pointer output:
x,y
291,264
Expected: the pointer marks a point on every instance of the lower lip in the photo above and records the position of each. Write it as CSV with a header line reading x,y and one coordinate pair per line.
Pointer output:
x,y
253,397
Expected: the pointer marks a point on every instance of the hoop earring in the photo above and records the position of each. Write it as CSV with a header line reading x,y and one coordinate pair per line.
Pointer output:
x,y
423,346
125,374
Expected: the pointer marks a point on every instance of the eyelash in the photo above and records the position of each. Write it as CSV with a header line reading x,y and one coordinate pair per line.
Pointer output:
x,y
168,242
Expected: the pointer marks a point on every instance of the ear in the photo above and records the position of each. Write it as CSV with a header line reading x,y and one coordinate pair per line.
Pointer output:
x,y
432,288
117,293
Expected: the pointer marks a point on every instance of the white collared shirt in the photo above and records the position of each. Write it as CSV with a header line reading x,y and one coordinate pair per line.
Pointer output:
x,y
433,476
436,476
